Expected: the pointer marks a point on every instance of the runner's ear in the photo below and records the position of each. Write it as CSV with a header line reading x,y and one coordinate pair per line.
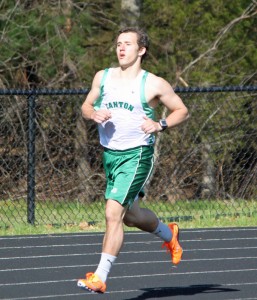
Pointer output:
x,y
142,51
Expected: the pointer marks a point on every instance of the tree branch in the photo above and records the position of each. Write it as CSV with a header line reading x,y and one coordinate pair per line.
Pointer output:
x,y
250,11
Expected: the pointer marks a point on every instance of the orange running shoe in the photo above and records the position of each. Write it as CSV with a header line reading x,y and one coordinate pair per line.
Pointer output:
x,y
173,246
92,283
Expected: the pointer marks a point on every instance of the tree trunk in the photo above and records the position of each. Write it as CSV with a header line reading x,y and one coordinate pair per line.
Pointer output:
x,y
130,13
84,171
208,181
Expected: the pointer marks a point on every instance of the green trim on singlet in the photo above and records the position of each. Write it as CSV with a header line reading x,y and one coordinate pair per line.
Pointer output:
x,y
149,111
99,100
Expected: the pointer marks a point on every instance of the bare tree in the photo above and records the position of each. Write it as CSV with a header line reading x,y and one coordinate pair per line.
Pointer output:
x,y
250,12
208,179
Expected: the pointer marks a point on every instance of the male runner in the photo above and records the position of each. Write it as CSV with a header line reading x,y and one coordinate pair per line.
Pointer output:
x,y
122,102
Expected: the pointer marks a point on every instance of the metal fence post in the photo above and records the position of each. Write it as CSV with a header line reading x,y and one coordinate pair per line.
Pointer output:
x,y
31,159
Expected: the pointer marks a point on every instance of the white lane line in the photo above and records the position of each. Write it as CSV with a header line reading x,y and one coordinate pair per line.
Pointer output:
x,y
134,291
93,234
52,296
122,252
127,263
126,243
133,276
52,246
242,299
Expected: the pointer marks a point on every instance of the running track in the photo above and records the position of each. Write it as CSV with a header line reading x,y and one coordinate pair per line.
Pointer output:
x,y
217,264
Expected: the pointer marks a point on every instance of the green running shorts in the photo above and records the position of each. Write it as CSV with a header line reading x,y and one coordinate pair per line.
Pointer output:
x,y
127,171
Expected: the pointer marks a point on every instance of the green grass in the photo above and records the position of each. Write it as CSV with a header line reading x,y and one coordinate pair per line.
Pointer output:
x,y
73,216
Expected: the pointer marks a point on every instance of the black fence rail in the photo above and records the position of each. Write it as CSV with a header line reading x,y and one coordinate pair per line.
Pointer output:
x,y
51,169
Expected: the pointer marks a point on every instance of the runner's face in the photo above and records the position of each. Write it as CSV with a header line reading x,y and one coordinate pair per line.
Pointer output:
x,y
127,49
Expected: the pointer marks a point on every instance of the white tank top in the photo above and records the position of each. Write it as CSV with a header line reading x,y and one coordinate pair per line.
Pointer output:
x,y
128,106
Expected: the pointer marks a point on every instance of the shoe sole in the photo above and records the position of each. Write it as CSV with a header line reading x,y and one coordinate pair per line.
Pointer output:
x,y
86,288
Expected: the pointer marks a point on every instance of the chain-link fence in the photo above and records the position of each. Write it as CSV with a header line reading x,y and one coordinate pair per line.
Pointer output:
x,y
51,166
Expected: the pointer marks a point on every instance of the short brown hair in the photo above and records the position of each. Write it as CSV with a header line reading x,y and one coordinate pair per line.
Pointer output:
x,y
142,37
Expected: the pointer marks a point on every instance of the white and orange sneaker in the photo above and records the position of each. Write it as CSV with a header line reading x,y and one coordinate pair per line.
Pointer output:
x,y
92,283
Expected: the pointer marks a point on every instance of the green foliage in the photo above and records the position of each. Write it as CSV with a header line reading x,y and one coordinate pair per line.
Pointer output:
x,y
184,30
54,39
66,45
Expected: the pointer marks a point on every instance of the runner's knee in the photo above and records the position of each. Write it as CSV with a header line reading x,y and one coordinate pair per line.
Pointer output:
x,y
114,212
129,222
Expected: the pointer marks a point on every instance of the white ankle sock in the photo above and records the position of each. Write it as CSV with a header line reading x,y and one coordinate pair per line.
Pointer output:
x,y
105,265
163,231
